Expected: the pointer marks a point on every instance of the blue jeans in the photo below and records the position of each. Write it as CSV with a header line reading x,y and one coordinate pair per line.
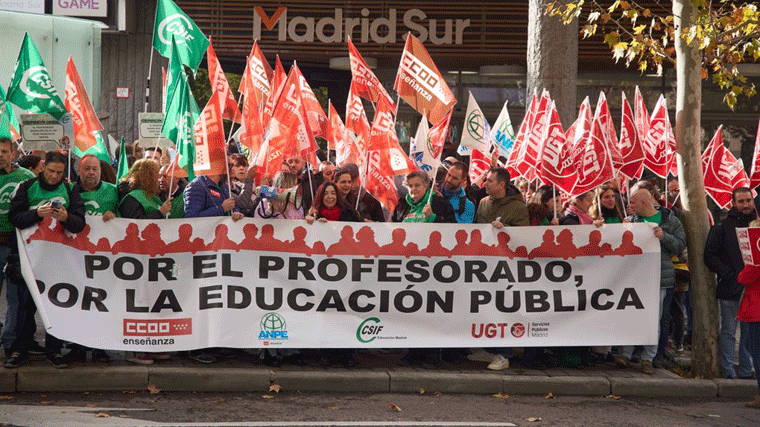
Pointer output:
x,y
728,311
649,351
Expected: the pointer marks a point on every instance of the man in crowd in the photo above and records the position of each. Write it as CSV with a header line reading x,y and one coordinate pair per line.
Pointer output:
x,y
166,183
10,177
504,206
453,190
723,257
35,199
349,186
99,197
670,232
308,182
153,152
327,169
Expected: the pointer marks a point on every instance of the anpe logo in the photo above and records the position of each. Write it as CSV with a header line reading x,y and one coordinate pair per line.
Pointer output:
x,y
273,327
157,327
368,330
518,330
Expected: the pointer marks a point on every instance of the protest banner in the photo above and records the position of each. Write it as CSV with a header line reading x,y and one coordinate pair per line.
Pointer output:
x,y
210,282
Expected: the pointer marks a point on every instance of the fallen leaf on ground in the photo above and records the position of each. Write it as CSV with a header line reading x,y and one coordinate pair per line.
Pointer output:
x,y
549,396
612,396
533,419
267,396
333,408
102,415
153,389
123,416
6,397
437,393
422,391
501,396
45,402
275,388
217,401
394,407
91,405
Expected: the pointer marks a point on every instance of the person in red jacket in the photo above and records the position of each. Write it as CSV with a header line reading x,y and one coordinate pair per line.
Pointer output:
x,y
749,311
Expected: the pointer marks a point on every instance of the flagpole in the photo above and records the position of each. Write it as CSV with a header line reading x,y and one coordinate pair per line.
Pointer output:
x,y
366,171
554,197
150,62
169,197
627,186
229,137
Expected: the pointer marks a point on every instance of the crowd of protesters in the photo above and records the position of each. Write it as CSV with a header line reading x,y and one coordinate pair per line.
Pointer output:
x,y
151,191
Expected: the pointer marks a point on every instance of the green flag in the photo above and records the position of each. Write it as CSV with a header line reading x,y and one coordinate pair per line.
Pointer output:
x,y
172,21
181,115
99,150
123,163
7,117
172,73
32,88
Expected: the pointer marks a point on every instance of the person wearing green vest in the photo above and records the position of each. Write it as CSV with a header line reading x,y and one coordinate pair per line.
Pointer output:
x,y
45,196
10,177
142,201
610,209
421,204
100,198
175,184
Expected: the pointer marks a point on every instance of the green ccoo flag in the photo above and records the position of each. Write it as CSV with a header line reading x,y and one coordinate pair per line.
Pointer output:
x,y
172,21
181,115
123,163
32,88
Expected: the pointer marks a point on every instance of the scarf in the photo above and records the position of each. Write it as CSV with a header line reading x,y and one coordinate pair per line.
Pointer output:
x,y
583,217
331,214
415,209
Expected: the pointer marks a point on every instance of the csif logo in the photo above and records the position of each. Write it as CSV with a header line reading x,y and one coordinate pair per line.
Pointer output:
x,y
6,193
369,330
38,76
178,25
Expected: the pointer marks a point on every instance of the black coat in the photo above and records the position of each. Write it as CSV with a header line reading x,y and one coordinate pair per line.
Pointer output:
x,y
722,254
442,209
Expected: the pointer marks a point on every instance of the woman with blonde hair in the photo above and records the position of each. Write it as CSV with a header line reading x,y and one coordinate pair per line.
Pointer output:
x,y
142,201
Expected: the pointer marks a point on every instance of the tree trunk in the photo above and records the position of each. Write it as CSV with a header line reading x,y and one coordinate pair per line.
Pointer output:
x,y
553,59
688,134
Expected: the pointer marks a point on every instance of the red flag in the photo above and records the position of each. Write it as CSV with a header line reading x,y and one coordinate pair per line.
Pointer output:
x,y
379,184
366,83
252,130
528,156
317,119
437,136
221,87
210,153
175,169
630,144
641,115
83,116
754,176
577,134
356,120
610,136
345,150
723,172
555,159
278,81
420,84
593,163
656,146
383,139
521,135
480,164
257,77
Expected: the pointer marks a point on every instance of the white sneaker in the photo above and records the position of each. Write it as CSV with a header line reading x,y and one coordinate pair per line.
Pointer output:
x,y
481,356
498,363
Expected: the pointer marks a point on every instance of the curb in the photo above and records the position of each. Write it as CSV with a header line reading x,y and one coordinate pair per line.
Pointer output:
x,y
204,379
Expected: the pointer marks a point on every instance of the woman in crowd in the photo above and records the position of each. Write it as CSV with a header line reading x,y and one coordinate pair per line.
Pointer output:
x,y
242,185
576,211
328,205
541,208
610,211
32,162
749,312
287,205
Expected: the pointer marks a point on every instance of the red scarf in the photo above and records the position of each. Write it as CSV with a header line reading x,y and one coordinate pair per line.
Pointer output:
x,y
584,217
331,214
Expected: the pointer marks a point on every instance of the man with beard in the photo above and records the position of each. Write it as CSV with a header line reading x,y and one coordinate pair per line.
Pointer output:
x,y
99,197
453,190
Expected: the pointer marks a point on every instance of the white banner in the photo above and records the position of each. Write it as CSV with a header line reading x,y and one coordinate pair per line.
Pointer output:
x,y
195,283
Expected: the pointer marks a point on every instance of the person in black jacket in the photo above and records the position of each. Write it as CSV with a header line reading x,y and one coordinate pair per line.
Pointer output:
x,y
45,196
307,180
723,257
142,201
421,204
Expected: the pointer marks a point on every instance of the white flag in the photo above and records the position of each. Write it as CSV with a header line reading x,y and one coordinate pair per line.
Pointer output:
x,y
474,131
502,133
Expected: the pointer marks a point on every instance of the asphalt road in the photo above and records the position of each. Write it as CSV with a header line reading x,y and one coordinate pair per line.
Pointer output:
x,y
292,408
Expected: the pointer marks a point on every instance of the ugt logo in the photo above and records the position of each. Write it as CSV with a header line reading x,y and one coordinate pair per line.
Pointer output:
x,y
273,327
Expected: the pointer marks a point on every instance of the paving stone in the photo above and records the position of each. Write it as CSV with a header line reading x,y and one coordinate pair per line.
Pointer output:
x,y
559,385
333,381
7,380
412,382
736,388
210,379
82,378
665,387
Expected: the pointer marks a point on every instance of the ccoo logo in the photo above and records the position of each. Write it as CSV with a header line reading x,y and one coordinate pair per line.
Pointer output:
x,y
39,77
177,25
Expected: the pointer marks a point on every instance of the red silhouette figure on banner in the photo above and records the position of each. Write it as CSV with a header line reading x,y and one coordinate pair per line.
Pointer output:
x,y
183,242
565,243
476,246
434,247
501,248
626,246
299,241
249,241
346,245
221,241
130,243
460,247
397,247
594,247
365,238
268,241
152,242
319,248
82,241
548,248
104,245
47,230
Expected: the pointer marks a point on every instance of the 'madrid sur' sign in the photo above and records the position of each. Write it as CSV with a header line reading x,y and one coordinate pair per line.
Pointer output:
x,y
336,28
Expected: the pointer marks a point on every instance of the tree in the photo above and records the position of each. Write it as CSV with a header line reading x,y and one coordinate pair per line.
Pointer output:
x,y
703,40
